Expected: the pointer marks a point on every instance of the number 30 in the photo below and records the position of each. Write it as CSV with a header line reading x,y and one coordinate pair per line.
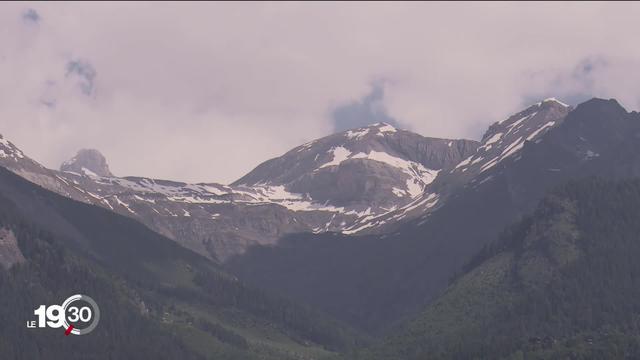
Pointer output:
x,y
83,314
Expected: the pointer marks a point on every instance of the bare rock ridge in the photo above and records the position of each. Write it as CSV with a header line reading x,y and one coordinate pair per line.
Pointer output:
x,y
88,162
375,167
326,185
504,140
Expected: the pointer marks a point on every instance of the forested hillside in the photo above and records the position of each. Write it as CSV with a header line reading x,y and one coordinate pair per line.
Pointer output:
x,y
563,283
157,299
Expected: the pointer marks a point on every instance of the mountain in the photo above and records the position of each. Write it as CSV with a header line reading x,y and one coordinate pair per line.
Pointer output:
x,y
326,185
563,283
287,226
367,168
158,299
376,179
386,278
502,141
89,162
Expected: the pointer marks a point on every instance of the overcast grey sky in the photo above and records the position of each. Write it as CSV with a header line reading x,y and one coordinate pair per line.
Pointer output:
x,y
206,91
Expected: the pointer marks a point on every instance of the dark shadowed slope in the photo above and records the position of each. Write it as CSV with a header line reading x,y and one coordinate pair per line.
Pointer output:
x,y
375,281
564,283
159,300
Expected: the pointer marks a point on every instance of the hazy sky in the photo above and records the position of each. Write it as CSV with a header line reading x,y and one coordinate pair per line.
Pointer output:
x,y
206,91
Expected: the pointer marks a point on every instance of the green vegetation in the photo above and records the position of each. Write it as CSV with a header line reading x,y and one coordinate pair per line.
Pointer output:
x,y
50,275
157,299
564,283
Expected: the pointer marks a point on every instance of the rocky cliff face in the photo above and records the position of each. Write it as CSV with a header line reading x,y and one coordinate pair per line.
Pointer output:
x,y
377,167
503,141
88,162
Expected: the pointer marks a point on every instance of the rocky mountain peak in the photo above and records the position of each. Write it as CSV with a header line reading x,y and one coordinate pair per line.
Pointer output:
x,y
88,162
376,167
9,151
550,108
604,108
505,138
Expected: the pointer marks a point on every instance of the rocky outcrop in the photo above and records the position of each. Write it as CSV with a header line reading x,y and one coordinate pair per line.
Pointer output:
x,y
10,253
87,162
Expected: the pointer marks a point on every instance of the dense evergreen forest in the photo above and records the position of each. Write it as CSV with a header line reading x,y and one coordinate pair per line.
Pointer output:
x,y
157,299
563,283
50,275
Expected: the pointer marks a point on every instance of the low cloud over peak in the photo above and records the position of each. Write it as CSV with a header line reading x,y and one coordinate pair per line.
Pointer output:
x,y
366,111
205,91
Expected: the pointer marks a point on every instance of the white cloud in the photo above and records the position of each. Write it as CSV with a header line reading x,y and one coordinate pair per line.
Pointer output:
x,y
206,91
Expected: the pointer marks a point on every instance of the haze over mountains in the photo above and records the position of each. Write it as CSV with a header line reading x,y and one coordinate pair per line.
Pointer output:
x,y
377,227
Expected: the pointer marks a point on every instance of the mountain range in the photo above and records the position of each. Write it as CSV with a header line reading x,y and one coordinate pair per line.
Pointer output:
x,y
384,279
326,185
398,236
352,182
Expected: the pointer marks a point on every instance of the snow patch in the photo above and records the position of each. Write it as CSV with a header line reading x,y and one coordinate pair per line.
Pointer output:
x,y
477,160
490,164
552,99
89,172
123,204
512,148
340,154
384,128
358,133
492,140
519,122
398,192
464,162
306,146
542,128
143,199
414,188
